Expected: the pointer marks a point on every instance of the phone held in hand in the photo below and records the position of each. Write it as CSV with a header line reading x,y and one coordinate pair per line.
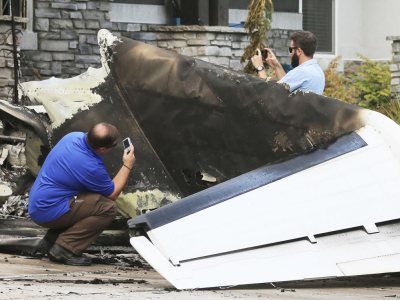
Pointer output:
x,y
127,144
264,54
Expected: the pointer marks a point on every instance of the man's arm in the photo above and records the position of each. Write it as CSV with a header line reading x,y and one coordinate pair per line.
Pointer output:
x,y
121,178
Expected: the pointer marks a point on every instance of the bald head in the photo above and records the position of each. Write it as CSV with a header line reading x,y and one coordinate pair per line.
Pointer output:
x,y
102,135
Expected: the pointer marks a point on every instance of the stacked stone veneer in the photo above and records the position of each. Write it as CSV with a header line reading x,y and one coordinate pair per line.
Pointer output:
x,y
395,67
7,57
67,39
219,45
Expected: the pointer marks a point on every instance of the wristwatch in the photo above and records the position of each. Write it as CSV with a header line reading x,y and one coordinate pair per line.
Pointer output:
x,y
260,68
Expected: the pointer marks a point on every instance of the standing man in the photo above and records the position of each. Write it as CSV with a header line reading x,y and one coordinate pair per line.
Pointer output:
x,y
74,196
306,75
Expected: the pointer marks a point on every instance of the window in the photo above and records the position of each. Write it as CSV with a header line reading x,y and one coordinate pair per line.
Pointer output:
x,y
18,7
291,6
279,5
318,17
148,2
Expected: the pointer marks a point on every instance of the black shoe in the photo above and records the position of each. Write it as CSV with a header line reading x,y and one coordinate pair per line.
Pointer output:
x,y
48,241
44,246
62,255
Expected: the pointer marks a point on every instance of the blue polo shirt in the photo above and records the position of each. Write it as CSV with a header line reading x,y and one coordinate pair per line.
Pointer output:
x,y
71,167
307,76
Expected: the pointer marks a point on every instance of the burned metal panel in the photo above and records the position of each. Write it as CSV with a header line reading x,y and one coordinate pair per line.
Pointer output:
x,y
149,172
193,124
202,118
24,115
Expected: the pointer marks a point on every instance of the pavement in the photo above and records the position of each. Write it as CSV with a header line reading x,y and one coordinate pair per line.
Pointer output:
x,y
24,277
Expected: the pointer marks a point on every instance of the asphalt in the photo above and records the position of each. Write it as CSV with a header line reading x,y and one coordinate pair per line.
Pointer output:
x,y
24,277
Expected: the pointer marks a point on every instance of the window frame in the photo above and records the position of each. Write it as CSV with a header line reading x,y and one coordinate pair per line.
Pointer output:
x,y
335,9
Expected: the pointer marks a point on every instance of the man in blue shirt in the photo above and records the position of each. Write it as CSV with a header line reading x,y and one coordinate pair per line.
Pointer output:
x,y
73,194
306,75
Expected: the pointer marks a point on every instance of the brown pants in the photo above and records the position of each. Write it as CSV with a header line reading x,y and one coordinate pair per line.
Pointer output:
x,y
90,214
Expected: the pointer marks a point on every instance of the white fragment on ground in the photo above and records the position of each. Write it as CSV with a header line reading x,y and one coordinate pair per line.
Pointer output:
x,y
4,155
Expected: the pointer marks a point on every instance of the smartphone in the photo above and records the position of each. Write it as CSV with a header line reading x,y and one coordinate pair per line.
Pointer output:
x,y
127,144
264,54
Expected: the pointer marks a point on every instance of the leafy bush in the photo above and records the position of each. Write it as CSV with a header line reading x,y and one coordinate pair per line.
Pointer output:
x,y
369,88
258,22
336,85
372,80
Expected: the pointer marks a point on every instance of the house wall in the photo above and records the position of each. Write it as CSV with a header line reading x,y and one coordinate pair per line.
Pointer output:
x,y
7,57
67,39
363,26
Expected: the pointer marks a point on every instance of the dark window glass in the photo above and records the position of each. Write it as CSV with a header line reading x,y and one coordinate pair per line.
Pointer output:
x,y
279,5
286,5
18,7
150,2
239,4
318,18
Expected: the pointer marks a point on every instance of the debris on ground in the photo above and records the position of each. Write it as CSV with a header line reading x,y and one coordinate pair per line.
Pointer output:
x,y
19,234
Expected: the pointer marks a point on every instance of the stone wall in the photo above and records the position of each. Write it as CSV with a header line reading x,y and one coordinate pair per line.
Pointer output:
x,y
67,39
6,55
395,67
218,45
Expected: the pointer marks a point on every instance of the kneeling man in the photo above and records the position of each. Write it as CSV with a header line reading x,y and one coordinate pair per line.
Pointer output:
x,y
73,194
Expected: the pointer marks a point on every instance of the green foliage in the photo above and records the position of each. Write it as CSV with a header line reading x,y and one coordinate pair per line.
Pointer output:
x,y
258,23
391,110
369,88
336,85
372,80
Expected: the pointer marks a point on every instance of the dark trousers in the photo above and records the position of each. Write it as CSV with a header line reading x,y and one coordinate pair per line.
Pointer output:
x,y
90,214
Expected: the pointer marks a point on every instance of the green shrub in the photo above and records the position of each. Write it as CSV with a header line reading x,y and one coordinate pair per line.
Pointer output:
x,y
372,80
369,88
336,85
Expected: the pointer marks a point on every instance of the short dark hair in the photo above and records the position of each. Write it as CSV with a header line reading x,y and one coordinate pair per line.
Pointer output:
x,y
102,135
306,41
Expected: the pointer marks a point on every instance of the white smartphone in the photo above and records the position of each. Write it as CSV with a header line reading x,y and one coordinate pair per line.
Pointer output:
x,y
127,144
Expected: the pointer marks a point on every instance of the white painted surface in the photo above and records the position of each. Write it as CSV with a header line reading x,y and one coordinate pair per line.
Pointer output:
x,y
138,13
344,254
29,40
63,98
364,25
280,20
234,242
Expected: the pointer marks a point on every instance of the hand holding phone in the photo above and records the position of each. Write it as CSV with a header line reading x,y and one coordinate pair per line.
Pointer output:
x,y
127,144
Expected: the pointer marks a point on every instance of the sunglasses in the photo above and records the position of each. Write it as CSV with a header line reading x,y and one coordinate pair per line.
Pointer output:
x,y
293,48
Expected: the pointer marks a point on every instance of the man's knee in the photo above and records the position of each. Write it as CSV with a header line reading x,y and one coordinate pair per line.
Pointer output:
x,y
108,206
114,210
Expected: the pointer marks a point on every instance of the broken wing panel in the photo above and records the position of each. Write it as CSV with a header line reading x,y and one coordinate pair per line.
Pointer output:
x,y
204,119
194,124
339,217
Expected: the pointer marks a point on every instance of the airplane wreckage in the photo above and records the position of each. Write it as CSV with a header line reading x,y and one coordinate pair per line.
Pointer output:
x,y
273,186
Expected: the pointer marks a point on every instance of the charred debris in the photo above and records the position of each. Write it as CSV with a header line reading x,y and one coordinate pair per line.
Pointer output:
x,y
18,233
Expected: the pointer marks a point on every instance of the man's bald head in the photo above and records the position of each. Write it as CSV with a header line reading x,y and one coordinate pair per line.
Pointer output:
x,y
102,135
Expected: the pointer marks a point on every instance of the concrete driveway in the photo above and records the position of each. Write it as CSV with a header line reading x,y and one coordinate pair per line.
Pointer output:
x,y
23,277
